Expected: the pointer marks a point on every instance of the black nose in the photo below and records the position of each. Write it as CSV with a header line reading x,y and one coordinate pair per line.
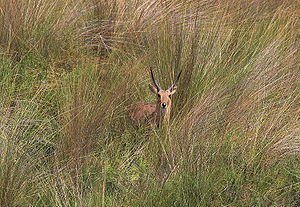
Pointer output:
x,y
164,105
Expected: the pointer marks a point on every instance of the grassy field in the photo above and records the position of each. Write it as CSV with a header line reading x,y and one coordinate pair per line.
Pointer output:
x,y
70,70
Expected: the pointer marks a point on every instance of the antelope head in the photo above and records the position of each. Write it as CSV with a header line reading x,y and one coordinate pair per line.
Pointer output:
x,y
164,99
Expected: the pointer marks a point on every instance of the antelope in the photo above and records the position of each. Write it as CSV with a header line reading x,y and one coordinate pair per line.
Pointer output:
x,y
160,111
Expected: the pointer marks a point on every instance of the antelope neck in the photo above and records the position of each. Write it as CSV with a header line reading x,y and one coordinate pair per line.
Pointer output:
x,y
163,115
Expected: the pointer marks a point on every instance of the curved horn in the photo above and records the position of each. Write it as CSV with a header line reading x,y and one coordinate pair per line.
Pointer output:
x,y
175,81
154,81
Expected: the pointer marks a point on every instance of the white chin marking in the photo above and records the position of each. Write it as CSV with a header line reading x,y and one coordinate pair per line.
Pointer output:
x,y
164,110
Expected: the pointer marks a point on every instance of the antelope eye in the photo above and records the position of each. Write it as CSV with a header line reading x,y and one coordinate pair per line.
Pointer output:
x,y
170,96
158,95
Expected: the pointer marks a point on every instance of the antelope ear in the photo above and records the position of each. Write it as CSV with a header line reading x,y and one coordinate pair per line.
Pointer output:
x,y
173,90
153,89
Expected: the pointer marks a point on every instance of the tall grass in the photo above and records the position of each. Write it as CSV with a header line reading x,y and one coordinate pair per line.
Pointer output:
x,y
66,139
37,26
26,142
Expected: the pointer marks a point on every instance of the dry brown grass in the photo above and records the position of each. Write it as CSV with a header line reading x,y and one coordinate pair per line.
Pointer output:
x,y
37,25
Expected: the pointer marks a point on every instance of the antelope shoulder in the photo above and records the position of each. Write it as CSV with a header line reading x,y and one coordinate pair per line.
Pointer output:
x,y
142,111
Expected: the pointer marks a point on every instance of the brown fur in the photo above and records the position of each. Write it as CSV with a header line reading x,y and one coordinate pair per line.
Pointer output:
x,y
142,111
145,111
160,111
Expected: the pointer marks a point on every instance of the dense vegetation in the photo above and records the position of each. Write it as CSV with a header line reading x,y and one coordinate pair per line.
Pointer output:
x,y
70,70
